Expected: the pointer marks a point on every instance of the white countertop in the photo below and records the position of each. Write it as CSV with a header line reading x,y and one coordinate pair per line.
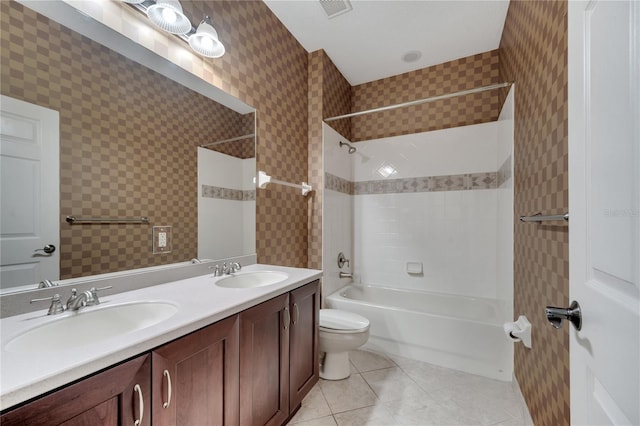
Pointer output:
x,y
200,302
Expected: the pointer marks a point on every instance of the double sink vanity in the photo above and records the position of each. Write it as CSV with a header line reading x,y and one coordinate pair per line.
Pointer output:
x,y
239,348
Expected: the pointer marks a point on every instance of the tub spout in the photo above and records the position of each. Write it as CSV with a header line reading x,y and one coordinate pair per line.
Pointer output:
x,y
346,275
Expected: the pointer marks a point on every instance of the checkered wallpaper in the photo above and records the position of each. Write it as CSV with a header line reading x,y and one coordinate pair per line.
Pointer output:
x,y
329,95
462,74
266,67
534,55
128,140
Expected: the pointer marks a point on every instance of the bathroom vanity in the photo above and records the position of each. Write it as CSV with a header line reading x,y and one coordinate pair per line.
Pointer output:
x,y
228,356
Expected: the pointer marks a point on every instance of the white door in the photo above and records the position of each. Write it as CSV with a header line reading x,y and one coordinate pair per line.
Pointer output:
x,y
604,207
29,205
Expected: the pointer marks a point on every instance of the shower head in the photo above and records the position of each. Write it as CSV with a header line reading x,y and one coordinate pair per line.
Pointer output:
x,y
352,149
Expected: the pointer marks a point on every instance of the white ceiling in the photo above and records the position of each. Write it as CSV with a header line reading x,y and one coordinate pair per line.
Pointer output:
x,y
368,42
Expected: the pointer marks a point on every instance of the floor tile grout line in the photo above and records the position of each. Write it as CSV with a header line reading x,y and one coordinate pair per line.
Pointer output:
x,y
461,380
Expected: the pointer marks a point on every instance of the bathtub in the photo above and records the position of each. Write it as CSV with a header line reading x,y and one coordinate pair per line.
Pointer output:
x,y
458,332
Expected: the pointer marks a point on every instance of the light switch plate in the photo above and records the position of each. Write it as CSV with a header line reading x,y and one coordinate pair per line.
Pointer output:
x,y
162,239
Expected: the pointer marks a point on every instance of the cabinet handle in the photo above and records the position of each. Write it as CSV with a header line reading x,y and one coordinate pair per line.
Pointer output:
x,y
168,376
138,390
287,318
296,313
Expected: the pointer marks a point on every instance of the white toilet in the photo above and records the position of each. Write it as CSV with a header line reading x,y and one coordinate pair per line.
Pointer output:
x,y
340,332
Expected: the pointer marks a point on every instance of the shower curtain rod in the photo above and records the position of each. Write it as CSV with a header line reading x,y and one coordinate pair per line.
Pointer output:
x,y
420,101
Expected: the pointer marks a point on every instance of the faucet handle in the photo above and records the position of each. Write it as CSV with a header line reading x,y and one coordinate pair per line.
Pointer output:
x,y
47,284
216,270
235,267
56,305
93,292
72,298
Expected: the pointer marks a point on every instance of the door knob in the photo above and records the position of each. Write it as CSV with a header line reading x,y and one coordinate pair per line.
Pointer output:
x,y
48,249
573,313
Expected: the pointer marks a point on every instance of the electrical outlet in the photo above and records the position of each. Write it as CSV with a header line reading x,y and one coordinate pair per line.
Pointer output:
x,y
161,239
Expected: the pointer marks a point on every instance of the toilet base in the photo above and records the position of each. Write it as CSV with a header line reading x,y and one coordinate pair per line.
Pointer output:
x,y
335,366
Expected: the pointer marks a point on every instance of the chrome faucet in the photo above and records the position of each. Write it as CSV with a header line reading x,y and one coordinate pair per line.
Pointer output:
x,y
225,269
86,298
56,305
47,284
77,301
217,271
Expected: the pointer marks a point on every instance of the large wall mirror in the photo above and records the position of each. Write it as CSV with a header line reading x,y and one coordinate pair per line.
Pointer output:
x,y
132,143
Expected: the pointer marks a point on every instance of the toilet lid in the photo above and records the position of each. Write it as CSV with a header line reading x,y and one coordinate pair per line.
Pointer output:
x,y
337,319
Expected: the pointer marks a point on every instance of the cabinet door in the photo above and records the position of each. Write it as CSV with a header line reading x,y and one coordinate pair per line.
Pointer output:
x,y
111,397
303,342
264,363
195,378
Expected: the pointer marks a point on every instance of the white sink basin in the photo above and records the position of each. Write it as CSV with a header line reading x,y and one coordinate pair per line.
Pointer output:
x,y
252,279
91,325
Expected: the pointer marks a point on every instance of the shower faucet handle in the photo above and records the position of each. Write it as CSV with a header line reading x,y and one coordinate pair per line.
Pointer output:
x,y
342,260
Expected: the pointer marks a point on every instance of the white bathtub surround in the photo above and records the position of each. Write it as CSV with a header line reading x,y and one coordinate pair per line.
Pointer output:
x,y
453,233
390,390
226,198
504,156
337,217
443,199
438,208
457,332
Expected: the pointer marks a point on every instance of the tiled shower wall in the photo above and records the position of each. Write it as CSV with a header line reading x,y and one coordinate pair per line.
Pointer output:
x,y
438,208
226,205
534,56
331,95
111,163
337,215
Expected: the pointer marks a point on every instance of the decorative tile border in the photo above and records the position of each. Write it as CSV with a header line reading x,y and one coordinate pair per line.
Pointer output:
x,y
463,182
209,191
338,184
504,172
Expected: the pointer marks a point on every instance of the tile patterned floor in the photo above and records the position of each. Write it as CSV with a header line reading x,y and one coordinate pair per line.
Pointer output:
x,y
387,390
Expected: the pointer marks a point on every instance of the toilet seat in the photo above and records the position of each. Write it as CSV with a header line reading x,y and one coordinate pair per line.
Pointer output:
x,y
342,322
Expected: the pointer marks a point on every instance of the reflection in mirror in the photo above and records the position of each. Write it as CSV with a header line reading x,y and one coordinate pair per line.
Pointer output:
x,y
132,143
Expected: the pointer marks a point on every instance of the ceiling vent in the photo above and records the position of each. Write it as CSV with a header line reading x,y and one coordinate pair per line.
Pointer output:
x,y
334,8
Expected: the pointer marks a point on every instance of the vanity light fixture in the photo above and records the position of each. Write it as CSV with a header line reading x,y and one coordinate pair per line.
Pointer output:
x,y
205,40
169,16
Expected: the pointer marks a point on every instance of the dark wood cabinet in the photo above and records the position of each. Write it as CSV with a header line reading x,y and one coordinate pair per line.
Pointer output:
x,y
252,368
304,368
278,355
112,397
264,363
195,378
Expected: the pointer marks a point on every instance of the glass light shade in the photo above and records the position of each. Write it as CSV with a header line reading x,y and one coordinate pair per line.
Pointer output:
x,y
205,40
168,16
